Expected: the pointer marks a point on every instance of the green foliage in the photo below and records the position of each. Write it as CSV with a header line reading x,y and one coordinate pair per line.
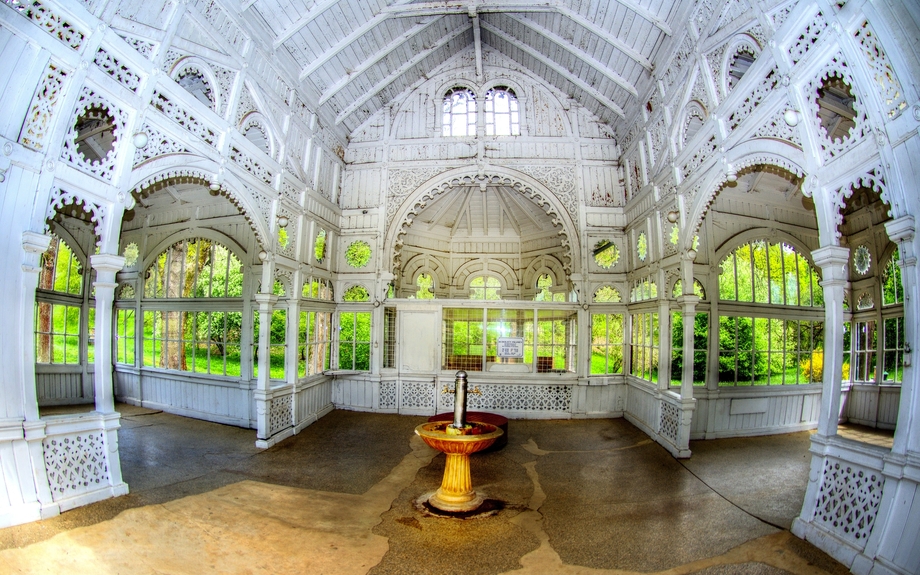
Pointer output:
x,y
606,254
319,246
358,254
356,294
424,284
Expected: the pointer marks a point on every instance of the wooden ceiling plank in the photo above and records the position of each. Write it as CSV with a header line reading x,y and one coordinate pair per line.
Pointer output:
x,y
347,40
397,73
378,56
551,64
304,21
578,53
606,36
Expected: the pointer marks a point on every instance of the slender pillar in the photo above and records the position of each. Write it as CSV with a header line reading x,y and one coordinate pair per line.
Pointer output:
x,y
832,260
688,309
106,266
262,394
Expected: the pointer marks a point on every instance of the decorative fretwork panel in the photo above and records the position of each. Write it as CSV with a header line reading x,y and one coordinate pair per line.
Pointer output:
x,y
223,24
418,395
44,106
93,109
387,398
249,164
75,463
158,144
892,95
777,127
832,145
747,106
48,21
703,153
181,116
807,38
280,414
117,70
144,47
507,397
848,500
669,426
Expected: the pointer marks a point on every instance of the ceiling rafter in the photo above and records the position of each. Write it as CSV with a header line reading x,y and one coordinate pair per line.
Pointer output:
x,y
347,41
397,73
606,37
578,53
552,64
304,21
460,7
379,55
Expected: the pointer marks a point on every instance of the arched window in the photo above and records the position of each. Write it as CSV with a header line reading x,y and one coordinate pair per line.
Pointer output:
x,y
485,287
607,294
425,285
459,112
195,338
770,317
545,290
59,317
501,111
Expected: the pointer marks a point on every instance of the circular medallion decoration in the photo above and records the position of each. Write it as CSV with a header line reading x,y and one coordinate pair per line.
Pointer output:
x,y
862,260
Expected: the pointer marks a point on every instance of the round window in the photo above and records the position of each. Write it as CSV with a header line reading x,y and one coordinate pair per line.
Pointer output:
x,y
862,260
358,254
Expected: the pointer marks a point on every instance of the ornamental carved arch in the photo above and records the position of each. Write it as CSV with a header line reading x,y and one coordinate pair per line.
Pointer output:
x,y
401,215
702,193
253,205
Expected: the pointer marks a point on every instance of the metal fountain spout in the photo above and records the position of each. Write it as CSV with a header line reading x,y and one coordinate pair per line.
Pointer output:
x,y
460,391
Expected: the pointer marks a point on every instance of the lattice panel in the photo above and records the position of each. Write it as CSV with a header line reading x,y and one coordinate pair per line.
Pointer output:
x,y
48,21
89,104
669,426
249,164
75,463
181,116
158,144
44,106
280,414
892,95
117,70
515,398
747,106
418,394
387,398
703,153
848,500
144,47
807,38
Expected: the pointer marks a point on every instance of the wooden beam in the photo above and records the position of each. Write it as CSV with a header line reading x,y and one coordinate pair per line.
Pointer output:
x,y
593,62
606,37
460,7
311,15
593,92
378,56
347,41
396,74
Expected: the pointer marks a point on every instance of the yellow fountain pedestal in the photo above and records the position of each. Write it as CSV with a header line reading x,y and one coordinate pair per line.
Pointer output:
x,y
456,492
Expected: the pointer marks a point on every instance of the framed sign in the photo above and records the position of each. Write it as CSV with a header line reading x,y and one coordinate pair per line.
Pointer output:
x,y
511,347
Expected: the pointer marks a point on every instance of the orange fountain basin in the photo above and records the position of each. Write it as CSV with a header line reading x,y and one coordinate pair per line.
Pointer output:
x,y
456,492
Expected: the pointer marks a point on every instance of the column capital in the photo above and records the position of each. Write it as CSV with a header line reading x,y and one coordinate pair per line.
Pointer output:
x,y
107,262
266,299
35,243
688,300
901,229
832,260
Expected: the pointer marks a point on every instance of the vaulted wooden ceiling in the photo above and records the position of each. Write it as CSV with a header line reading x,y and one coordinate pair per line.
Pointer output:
x,y
359,55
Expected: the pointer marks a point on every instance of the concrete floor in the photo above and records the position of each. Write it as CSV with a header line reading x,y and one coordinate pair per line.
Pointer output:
x,y
576,497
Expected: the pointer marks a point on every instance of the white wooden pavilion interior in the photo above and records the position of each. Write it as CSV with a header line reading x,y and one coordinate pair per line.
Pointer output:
x,y
695,216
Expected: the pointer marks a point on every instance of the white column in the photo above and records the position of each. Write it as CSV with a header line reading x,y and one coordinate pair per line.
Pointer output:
x,y
266,303
907,433
106,266
832,260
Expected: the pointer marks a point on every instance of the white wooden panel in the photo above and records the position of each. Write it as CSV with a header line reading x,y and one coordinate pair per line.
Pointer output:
x,y
889,403
769,411
417,337
61,388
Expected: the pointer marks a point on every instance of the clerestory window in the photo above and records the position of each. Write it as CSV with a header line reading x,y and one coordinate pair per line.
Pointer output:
x,y
459,112
501,112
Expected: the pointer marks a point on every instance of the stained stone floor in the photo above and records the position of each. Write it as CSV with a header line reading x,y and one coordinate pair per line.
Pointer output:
x,y
576,498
